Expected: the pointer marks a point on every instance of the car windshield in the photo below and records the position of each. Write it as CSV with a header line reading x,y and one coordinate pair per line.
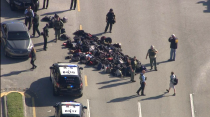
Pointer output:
x,y
18,35
69,79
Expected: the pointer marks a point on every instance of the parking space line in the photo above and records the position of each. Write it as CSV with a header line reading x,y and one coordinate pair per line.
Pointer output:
x,y
88,108
80,27
33,106
139,109
86,84
78,5
192,106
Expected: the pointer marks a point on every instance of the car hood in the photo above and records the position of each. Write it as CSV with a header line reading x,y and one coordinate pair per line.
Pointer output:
x,y
19,44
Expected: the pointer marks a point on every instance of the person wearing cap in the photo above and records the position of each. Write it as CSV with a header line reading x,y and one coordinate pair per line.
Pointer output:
x,y
152,56
45,35
75,4
142,83
35,24
174,44
110,19
133,68
29,14
44,1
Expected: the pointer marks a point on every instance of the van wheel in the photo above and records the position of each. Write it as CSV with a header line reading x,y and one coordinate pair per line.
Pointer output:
x,y
12,6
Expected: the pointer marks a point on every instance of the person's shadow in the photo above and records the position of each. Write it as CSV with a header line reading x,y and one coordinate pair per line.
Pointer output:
x,y
98,34
156,97
207,4
123,98
15,73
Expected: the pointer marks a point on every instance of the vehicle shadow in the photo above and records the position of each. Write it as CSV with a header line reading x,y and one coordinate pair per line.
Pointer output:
x,y
207,4
15,73
156,97
52,13
43,94
123,98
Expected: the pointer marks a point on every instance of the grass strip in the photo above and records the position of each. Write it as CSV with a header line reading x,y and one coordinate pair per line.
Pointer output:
x,y
15,105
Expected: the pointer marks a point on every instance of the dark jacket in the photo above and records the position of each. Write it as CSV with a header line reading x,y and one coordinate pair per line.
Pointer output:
x,y
133,64
110,17
36,20
33,55
45,31
173,45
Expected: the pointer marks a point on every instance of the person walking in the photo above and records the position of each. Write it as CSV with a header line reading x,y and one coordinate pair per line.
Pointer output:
x,y
58,25
35,24
44,1
174,44
133,68
152,56
142,83
33,57
171,85
29,14
73,2
110,19
45,35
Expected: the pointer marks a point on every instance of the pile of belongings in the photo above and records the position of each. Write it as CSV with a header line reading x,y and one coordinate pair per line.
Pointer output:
x,y
51,19
100,53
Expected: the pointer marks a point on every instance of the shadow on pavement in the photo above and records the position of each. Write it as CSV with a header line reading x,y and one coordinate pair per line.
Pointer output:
x,y
42,43
207,4
52,13
42,89
107,82
98,34
155,97
114,85
15,73
123,98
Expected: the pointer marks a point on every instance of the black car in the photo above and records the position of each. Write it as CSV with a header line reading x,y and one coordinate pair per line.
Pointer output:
x,y
69,109
66,79
22,4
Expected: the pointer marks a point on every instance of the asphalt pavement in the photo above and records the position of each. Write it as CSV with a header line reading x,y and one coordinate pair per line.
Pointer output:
x,y
139,24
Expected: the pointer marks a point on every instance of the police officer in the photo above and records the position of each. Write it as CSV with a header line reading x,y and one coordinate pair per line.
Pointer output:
x,y
152,56
110,19
45,35
58,24
73,2
33,57
29,14
142,82
44,4
35,24
133,68
34,5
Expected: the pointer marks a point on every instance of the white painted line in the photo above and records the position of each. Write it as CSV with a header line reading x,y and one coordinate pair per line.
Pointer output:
x,y
192,106
88,108
139,109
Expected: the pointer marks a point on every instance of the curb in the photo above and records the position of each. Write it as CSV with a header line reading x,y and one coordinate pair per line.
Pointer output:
x,y
5,106
24,105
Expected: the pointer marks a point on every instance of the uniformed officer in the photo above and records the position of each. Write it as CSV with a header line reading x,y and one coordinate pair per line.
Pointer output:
x,y
29,14
142,82
45,35
44,4
73,2
34,5
35,24
152,56
110,19
133,68
33,57
58,25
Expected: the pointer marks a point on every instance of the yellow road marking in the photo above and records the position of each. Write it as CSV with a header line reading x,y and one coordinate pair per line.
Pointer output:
x,y
34,110
86,84
6,93
80,27
78,5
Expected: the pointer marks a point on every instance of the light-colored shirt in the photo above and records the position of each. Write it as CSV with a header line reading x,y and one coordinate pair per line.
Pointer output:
x,y
142,77
172,77
26,11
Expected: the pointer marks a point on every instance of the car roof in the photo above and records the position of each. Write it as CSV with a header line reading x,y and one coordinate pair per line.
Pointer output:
x,y
15,26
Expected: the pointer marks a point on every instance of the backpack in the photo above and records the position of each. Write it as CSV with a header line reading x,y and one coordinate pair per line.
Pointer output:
x,y
175,81
151,52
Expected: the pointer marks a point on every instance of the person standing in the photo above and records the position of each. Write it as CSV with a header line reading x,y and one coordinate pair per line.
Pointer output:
x,y
142,83
29,14
34,5
33,57
44,1
45,35
58,24
133,68
174,44
35,24
73,2
152,56
110,19
171,85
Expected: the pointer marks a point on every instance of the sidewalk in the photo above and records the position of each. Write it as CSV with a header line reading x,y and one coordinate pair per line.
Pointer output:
x,y
28,98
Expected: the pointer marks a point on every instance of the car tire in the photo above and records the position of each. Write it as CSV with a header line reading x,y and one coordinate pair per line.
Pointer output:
x,y
12,6
55,93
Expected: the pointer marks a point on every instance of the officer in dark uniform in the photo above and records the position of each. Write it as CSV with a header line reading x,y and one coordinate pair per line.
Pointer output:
x,y
44,4
133,68
45,35
34,5
110,19
36,24
73,2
